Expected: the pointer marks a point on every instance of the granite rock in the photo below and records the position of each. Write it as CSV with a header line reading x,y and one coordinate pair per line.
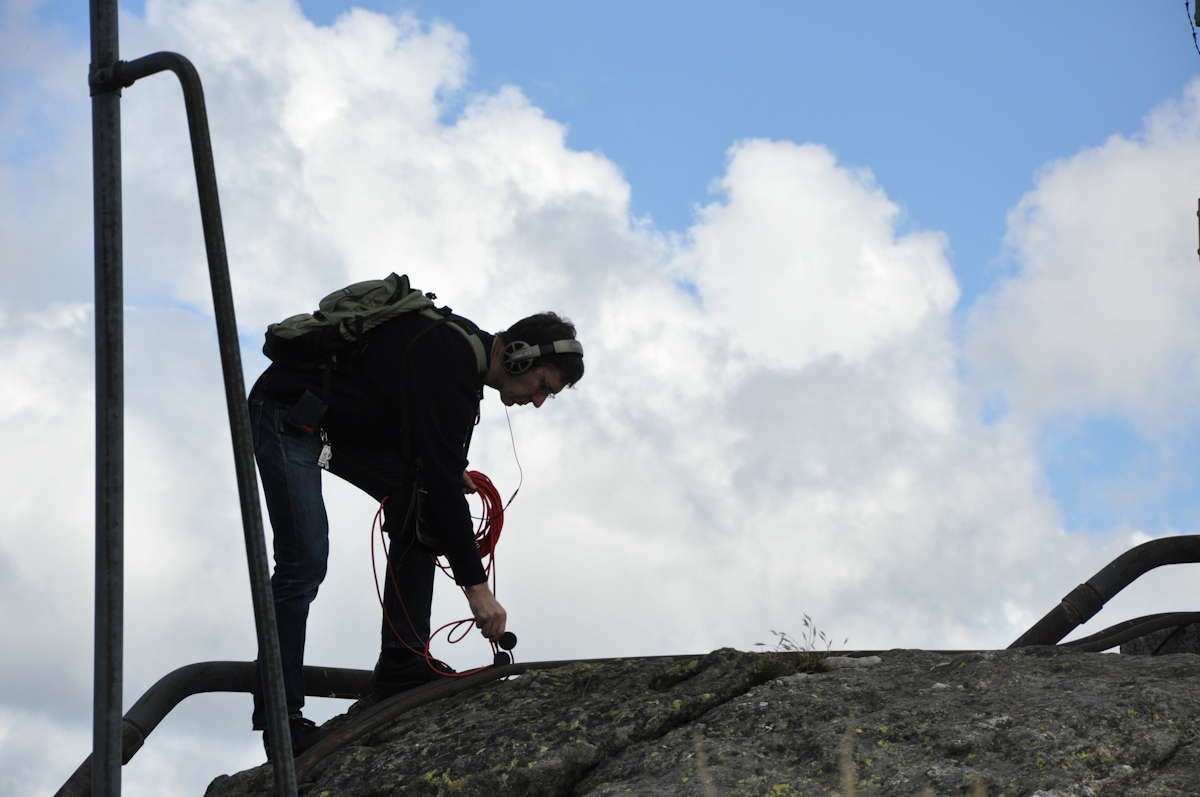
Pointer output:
x,y
1039,721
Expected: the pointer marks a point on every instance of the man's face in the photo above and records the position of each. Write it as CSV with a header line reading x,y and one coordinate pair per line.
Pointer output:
x,y
532,387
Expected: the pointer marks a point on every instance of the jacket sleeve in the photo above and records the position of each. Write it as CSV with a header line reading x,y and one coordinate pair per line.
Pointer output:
x,y
443,405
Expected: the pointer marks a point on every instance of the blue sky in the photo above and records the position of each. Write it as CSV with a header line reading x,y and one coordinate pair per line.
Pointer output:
x,y
952,105
939,316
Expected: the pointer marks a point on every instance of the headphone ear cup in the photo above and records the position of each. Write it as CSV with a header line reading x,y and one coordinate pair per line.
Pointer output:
x,y
508,358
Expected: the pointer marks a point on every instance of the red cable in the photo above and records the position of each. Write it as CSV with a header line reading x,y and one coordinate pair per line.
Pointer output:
x,y
487,535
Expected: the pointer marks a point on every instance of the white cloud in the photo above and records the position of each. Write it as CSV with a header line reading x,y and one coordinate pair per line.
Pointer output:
x,y
786,434
25,736
830,276
1099,317
333,160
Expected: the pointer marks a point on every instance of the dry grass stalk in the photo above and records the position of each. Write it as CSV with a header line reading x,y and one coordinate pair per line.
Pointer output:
x,y
849,774
706,778
846,766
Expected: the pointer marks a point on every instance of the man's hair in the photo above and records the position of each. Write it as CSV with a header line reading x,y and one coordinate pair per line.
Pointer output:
x,y
546,328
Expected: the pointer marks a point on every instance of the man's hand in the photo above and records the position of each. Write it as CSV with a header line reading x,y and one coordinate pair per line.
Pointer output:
x,y
490,616
468,485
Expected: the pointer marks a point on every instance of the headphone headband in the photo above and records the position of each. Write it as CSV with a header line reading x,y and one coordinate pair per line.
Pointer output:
x,y
519,356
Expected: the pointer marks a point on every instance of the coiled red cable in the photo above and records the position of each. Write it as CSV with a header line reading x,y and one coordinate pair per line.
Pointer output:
x,y
487,535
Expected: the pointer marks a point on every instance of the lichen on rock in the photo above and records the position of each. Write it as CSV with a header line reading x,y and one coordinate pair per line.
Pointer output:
x,y
733,723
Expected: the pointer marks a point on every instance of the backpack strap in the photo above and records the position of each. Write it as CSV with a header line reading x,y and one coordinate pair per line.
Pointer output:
x,y
462,326
470,333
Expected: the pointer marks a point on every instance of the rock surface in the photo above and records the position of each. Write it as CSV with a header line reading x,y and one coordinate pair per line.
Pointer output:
x,y
1041,722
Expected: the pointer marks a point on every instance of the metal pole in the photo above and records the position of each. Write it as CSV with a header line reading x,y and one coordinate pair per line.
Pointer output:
x,y
235,398
109,531
106,77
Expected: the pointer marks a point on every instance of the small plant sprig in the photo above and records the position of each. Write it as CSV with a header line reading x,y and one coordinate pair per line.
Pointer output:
x,y
812,639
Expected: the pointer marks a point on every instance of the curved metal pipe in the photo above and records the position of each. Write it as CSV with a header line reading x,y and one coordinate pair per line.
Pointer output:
x,y
1132,629
206,676
1089,597
108,77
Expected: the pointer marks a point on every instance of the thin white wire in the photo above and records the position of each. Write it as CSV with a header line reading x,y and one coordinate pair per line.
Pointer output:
x,y
520,470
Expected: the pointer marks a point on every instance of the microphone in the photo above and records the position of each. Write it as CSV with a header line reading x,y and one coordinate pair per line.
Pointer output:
x,y
507,641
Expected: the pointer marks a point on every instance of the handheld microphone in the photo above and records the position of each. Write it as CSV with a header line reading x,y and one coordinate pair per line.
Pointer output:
x,y
507,641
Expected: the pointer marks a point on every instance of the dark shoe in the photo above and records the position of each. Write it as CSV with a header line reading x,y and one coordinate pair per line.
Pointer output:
x,y
399,670
304,735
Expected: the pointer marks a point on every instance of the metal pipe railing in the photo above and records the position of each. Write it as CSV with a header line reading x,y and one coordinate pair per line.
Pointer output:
x,y
110,400
107,76
1128,630
1088,598
235,392
206,676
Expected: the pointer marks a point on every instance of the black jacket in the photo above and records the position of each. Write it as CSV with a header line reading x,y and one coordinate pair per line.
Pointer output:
x,y
414,369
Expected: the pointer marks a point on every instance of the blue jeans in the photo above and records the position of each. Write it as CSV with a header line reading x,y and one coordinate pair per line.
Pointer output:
x,y
291,480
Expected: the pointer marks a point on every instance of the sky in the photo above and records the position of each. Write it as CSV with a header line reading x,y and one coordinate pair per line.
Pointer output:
x,y
890,320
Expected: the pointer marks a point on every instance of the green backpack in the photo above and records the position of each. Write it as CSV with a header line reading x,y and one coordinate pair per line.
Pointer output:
x,y
344,318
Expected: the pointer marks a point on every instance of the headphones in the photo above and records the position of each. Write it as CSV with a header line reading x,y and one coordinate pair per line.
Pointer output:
x,y
519,356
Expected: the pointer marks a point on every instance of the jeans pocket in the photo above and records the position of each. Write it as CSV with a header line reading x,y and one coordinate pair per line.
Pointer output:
x,y
299,446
